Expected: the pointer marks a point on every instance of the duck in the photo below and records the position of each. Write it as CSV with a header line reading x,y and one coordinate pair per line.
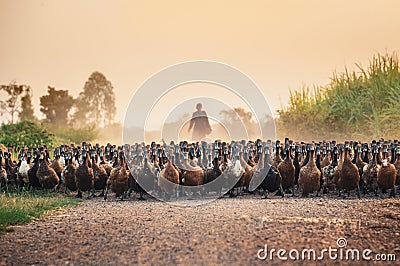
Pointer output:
x,y
327,157
118,182
3,173
271,181
32,172
69,173
329,171
386,175
397,166
100,174
11,168
168,180
84,176
360,164
22,175
232,171
147,177
248,169
278,159
48,178
309,178
287,171
212,174
370,173
349,176
193,176
338,169
56,165
296,163
103,163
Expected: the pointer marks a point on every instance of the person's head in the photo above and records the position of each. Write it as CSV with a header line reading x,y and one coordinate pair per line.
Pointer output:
x,y
199,106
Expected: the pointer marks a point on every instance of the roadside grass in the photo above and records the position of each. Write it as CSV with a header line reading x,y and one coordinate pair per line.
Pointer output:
x,y
17,209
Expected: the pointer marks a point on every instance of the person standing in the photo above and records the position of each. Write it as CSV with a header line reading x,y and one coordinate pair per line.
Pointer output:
x,y
200,124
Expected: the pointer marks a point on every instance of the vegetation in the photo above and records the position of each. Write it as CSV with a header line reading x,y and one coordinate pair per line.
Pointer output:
x,y
25,133
34,134
238,119
18,209
67,120
75,135
26,112
360,104
56,106
17,99
96,104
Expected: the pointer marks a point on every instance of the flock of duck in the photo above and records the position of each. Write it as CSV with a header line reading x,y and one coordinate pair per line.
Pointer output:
x,y
175,170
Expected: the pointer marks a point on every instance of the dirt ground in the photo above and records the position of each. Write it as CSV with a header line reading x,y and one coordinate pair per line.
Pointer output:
x,y
228,231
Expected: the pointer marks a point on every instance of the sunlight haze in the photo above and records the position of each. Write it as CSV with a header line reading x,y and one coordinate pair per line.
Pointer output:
x,y
279,44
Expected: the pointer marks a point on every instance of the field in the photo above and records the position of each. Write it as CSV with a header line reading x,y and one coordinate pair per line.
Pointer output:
x,y
229,230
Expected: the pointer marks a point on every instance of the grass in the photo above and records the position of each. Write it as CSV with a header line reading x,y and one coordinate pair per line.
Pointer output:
x,y
18,209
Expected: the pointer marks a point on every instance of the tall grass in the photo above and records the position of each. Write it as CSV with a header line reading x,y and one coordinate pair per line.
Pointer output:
x,y
361,104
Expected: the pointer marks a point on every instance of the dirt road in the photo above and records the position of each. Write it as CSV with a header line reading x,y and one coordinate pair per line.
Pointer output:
x,y
227,231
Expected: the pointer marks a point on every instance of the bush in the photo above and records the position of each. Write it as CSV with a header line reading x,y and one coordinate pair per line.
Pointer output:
x,y
25,133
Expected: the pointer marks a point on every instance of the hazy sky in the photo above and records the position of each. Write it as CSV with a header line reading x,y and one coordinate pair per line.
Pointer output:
x,y
279,44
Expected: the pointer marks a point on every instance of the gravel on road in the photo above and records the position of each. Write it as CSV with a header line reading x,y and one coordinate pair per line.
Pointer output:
x,y
227,231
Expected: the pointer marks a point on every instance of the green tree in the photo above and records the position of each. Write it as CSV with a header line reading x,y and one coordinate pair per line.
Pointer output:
x,y
26,112
96,104
12,105
56,106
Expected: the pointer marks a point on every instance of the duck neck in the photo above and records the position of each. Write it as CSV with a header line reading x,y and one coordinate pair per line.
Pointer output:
x,y
296,155
209,158
267,160
329,155
45,161
374,158
318,159
225,156
346,154
261,159
216,163
335,159
85,161
311,160
123,163
365,158
392,156
278,154
358,157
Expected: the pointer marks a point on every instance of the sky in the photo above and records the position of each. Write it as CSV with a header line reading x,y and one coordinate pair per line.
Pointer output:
x,y
281,45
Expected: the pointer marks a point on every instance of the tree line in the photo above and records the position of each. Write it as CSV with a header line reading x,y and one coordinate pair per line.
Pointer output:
x,y
94,107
